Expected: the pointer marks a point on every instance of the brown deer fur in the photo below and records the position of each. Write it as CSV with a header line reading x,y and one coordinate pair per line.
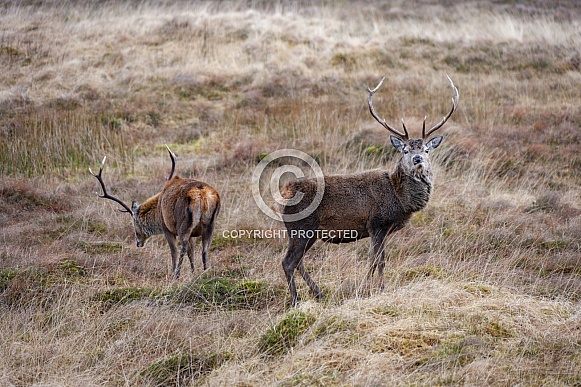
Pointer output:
x,y
372,203
183,210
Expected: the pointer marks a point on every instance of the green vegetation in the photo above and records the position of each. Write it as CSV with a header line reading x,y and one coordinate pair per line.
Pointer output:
x,y
181,369
210,293
119,296
284,335
6,276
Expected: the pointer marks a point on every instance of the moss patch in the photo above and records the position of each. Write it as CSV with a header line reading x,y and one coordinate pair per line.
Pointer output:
x,y
226,293
120,296
285,334
182,369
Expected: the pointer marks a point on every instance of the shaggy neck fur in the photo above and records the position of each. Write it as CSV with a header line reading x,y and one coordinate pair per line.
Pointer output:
x,y
413,190
149,216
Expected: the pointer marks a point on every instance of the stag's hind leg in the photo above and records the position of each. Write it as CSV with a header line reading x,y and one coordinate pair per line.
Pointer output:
x,y
190,251
173,248
314,288
207,235
296,250
186,226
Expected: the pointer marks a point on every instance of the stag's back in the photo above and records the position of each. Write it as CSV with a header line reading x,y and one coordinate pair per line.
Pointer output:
x,y
349,202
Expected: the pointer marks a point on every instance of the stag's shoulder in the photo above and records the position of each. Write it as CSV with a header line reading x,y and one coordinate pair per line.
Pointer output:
x,y
150,204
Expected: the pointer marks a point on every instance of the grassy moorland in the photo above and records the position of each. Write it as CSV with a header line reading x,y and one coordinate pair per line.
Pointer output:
x,y
482,288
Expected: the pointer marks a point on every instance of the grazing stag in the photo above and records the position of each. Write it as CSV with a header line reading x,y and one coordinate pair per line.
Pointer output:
x,y
372,203
183,210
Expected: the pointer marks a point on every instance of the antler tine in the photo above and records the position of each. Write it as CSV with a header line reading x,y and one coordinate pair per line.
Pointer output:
x,y
455,101
173,162
105,195
403,136
404,128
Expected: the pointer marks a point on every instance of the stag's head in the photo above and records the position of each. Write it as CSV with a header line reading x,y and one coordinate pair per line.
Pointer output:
x,y
141,214
140,232
415,160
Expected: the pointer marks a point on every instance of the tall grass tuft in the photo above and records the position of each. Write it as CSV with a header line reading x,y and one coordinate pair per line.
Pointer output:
x,y
60,142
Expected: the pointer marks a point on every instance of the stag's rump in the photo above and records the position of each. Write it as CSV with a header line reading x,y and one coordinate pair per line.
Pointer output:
x,y
183,201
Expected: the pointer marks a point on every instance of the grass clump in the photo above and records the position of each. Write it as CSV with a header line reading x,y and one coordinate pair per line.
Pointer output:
x,y
56,140
406,344
423,272
182,369
284,335
94,248
6,276
120,296
225,293
70,268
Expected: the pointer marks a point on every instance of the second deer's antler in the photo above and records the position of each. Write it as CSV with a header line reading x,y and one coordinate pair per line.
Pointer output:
x,y
105,194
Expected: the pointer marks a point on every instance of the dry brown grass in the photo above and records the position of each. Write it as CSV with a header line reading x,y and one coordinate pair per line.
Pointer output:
x,y
482,288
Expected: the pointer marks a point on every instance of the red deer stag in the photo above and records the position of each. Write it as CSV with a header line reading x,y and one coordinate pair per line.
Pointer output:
x,y
183,210
372,203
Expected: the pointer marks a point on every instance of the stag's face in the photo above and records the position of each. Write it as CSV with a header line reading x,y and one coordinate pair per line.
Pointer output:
x,y
415,155
140,235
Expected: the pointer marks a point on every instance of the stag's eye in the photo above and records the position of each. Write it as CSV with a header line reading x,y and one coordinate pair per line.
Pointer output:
x,y
405,151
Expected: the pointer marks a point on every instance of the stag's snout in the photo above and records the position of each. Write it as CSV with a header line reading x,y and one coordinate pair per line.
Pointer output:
x,y
417,159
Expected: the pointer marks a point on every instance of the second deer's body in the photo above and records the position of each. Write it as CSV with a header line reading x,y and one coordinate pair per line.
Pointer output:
x,y
183,210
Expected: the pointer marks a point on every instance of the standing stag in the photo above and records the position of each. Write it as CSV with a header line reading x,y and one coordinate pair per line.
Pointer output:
x,y
372,203
183,210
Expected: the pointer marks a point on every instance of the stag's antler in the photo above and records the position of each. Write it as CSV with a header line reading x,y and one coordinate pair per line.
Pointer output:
x,y
404,135
455,101
105,194
173,162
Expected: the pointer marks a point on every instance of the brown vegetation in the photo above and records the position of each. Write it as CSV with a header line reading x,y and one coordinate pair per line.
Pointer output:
x,y
483,287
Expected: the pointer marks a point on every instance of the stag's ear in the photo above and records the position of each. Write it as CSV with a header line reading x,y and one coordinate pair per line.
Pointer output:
x,y
134,207
397,143
434,143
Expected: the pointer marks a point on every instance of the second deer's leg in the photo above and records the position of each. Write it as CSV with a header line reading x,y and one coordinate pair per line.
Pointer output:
x,y
190,251
173,248
207,234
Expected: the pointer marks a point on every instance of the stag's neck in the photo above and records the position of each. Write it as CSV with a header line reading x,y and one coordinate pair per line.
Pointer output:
x,y
413,191
150,217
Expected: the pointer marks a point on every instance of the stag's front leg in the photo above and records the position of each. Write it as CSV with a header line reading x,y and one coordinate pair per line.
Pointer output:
x,y
378,260
173,248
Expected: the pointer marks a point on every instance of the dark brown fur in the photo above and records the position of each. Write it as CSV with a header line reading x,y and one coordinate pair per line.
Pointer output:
x,y
367,204
372,203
